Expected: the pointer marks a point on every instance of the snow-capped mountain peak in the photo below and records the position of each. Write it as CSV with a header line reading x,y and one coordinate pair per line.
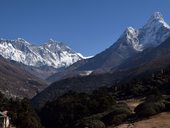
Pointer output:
x,y
131,32
51,40
21,40
130,39
54,42
52,53
156,16
156,19
154,32
130,29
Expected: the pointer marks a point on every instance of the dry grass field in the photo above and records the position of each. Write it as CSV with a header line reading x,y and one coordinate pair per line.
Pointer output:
x,y
161,120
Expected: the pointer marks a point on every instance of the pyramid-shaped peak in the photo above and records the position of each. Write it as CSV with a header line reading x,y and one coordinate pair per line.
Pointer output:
x,y
156,16
156,20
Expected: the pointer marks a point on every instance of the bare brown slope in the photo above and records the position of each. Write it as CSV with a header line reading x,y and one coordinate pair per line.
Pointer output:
x,y
16,82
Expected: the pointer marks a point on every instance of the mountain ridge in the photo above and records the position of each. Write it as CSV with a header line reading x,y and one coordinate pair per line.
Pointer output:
x,y
131,42
52,53
125,72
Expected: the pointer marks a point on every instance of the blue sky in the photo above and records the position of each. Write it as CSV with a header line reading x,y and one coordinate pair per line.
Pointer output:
x,y
87,26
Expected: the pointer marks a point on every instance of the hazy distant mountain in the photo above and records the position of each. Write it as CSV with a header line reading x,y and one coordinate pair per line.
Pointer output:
x,y
53,54
15,82
130,43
